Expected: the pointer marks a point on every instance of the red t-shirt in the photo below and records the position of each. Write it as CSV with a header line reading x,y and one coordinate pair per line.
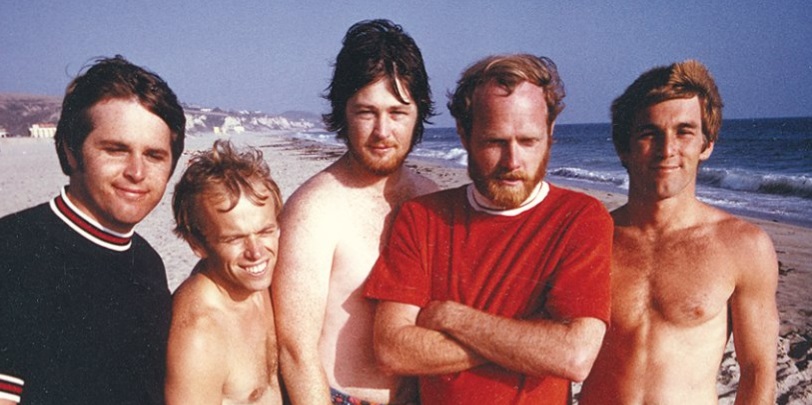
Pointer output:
x,y
552,261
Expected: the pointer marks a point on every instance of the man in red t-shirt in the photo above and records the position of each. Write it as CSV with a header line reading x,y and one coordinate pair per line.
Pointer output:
x,y
498,291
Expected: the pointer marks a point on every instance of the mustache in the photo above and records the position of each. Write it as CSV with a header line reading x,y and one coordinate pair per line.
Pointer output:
x,y
382,144
510,176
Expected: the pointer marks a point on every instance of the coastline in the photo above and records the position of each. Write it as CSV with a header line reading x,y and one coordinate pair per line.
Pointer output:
x,y
31,175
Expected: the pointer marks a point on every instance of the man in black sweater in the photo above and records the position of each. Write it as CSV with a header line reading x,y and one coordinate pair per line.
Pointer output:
x,y
84,301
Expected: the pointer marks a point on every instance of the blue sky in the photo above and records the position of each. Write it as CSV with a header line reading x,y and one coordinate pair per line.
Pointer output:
x,y
276,55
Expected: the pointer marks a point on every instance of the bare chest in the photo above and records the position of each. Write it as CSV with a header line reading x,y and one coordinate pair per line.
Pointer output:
x,y
360,232
679,281
252,360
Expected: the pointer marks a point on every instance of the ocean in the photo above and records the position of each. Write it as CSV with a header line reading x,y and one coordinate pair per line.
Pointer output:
x,y
759,167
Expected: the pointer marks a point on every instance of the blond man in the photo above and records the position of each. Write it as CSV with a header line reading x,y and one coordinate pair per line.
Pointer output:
x,y
222,343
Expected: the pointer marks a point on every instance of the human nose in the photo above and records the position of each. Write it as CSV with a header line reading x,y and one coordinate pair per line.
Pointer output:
x,y
135,170
253,248
382,126
667,145
510,156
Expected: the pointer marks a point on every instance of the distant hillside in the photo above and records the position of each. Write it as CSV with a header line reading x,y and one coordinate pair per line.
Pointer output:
x,y
302,115
19,111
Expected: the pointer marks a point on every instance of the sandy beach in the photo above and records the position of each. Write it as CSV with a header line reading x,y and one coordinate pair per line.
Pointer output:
x,y
30,174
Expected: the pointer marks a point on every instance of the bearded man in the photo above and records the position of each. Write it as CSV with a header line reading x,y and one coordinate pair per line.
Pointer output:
x,y
335,222
496,292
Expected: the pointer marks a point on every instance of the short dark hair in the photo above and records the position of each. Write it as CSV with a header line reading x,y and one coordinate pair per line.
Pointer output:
x,y
508,71
679,80
114,78
372,50
223,171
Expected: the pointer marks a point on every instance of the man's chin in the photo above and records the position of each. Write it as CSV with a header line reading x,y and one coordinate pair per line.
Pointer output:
x,y
381,167
507,202
506,197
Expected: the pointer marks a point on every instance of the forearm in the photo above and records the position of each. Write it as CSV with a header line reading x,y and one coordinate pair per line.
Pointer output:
x,y
756,387
304,378
757,353
418,351
534,347
403,348
300,363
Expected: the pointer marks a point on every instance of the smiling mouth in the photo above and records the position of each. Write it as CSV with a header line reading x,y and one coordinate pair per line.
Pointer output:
x,y
257,269
131,193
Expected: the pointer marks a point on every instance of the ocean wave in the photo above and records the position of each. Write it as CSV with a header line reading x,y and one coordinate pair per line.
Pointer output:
x,y
455,155
318,136
739,180
618,179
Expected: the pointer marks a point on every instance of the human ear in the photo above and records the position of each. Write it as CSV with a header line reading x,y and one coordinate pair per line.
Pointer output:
x,y
464,138
706,153
198,247
73,161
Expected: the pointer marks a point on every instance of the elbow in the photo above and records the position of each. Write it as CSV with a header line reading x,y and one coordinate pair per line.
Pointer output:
x,y
287,360
575,366
389,356
388,366
293,360
579,366
583,354
388,360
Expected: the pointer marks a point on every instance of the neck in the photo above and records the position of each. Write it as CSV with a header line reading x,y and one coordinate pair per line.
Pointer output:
x,y
87,226
79,202
480,202
662,215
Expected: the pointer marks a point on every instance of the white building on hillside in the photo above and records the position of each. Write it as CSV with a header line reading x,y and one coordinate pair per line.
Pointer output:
x,y
41,130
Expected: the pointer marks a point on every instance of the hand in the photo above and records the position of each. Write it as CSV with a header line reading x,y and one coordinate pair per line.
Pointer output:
x,y
436,315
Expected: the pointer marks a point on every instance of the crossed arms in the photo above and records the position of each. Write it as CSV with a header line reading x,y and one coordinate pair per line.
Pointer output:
x,y
447,337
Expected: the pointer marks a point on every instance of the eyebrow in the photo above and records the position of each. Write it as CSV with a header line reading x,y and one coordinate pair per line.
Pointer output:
x,y
239,235
109,143
160,151
125,145
691,125
648,125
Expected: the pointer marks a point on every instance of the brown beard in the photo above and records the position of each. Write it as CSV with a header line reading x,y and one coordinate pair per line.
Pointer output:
x,y
506,197
377,166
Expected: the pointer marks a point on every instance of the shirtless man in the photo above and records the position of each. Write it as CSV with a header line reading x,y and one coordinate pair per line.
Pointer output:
x,y
684,274
335,222
222,345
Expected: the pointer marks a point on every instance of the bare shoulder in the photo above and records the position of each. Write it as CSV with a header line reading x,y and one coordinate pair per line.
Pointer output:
x,y
313,192
197,316
317,200
419,184
746,243
738,233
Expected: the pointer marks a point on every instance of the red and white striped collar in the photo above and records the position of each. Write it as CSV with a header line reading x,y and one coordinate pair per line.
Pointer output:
x,y
89,228
11,388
